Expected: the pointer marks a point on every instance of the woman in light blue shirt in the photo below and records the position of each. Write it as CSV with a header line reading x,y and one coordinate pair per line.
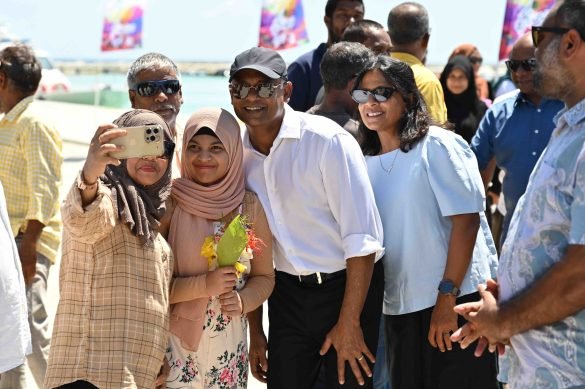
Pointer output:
x,y
438,245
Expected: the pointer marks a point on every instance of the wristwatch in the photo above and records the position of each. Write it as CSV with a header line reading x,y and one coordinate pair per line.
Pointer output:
x,y
82,184
447,287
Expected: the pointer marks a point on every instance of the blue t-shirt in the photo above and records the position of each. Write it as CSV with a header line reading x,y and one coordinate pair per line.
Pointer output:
x,y
305,75
416,192
514,131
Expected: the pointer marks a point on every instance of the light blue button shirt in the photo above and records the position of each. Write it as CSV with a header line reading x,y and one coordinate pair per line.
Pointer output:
x,y
549,217
416,192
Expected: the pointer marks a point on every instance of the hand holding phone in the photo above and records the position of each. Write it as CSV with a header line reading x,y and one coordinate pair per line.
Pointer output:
x,y
140,141
100,147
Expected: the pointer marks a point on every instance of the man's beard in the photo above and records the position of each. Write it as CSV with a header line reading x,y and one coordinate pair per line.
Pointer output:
x,y
550,78
334,38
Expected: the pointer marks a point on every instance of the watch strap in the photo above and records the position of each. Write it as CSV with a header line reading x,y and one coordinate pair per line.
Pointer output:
x,y
447,287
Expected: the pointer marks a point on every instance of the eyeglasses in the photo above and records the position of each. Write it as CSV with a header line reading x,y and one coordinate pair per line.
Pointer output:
x,y
150,88
264,91
476,60
381,94
526,64
538,30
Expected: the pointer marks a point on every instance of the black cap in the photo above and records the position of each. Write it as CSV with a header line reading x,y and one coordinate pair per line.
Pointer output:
x,y
266,61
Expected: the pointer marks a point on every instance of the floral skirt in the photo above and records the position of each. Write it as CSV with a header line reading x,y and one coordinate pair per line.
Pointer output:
x,y
222,358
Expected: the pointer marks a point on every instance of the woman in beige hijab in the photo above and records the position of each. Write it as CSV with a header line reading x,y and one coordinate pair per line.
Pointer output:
x,y
111,327
209,303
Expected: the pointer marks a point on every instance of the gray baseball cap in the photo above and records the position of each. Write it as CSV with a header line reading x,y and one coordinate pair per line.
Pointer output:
x,y
266,61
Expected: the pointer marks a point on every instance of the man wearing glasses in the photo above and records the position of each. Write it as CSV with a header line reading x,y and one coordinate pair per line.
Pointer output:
x,y
311,178
154,83
515,130
541,290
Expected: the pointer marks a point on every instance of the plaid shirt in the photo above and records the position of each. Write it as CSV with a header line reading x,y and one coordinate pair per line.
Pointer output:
x,y
111,327
30,171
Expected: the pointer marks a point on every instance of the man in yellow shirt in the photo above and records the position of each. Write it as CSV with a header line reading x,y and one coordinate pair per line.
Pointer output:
x,y
408,26
30,171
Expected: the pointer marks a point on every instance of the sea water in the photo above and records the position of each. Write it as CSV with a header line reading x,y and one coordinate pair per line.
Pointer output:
x,y
198,90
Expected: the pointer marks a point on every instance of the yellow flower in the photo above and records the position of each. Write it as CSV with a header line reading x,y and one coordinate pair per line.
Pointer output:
x,y
240,268
208,250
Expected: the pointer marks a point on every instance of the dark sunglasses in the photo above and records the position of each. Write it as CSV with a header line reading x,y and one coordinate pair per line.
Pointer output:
x,y
150,88
538,30
526,64
381,94
476,60
264,91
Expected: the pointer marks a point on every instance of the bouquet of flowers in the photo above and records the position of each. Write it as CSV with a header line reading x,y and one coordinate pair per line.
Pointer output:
x,y
233,245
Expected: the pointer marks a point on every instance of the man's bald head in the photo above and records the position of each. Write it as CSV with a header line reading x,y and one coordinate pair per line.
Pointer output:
x,y
407,23
523,47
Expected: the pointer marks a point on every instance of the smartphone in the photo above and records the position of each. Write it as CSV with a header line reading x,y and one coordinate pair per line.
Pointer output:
x,y
140,141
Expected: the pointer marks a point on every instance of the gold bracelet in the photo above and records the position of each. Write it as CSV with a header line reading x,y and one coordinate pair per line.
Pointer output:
x,y
82,184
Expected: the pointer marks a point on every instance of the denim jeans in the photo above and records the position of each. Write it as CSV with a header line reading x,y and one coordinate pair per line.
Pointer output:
x,y
381,368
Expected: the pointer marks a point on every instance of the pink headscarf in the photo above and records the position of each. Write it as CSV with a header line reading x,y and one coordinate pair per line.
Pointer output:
x,y
197,208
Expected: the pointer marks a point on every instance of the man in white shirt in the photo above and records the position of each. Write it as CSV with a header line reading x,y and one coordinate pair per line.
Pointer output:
x,y
310,175
15,341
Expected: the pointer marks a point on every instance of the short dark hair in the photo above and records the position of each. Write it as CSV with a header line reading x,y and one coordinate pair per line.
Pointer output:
x,y
342,62
571,13
357,31
19,64
332,5
415,122
407,23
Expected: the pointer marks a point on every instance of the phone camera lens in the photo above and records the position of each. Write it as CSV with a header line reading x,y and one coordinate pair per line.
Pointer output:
x,y
155,130
152,138
148,131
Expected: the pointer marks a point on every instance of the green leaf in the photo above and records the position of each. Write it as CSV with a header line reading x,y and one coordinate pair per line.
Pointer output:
x,y
232,243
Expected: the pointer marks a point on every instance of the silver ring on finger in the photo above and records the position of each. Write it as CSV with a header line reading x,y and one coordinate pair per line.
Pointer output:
x,y
360,358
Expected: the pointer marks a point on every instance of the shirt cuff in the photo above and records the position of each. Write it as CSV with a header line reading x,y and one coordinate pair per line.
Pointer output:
x,y
359,245
75,197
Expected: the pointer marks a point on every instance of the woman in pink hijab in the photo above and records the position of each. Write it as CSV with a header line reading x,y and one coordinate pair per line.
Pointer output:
x,y
472,52
209,303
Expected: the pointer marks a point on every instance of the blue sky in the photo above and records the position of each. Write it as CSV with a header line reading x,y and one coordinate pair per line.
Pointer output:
x,y
217,30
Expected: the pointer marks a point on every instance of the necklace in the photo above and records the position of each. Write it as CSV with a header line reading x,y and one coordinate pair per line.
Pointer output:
x,y
388,171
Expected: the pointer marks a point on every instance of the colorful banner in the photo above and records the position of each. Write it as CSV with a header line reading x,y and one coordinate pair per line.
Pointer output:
x,y
520,16
282,25
122,27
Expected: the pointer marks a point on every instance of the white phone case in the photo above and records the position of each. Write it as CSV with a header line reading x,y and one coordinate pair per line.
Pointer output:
x,y
140,141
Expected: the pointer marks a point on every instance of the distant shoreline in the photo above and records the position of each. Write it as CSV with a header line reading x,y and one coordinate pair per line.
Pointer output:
x,y
219,69
121,67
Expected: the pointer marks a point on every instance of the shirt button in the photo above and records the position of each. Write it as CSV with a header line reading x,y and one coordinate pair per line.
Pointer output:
x,y
536,131
534,153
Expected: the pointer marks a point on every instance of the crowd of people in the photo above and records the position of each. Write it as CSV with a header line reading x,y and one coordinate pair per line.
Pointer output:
x,y
362,222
